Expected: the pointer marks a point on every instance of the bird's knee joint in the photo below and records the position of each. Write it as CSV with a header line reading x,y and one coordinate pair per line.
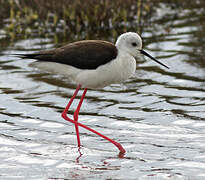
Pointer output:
x,y
63,115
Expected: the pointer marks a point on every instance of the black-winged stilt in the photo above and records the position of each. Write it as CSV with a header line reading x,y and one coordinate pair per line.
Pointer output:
x,y
93,64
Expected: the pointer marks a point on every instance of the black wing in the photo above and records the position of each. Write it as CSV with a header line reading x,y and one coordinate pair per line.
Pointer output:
x,y
87,54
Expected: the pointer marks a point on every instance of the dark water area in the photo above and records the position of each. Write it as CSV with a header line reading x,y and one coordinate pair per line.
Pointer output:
x,y
157,115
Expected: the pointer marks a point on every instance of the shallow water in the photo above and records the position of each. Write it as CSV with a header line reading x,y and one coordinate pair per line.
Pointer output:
x,y
157,115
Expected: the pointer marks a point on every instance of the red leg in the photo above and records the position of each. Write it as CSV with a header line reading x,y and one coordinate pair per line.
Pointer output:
x,y
76,113
66,110
64,115
75,116
118,145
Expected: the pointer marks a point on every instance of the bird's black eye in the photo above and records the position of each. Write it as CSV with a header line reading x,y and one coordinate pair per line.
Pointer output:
x,y
134,44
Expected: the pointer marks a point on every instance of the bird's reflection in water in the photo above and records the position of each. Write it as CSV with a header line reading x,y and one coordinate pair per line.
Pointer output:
x,y
80,155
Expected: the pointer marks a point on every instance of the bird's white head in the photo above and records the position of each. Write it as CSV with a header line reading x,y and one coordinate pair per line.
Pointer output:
x,y
131,43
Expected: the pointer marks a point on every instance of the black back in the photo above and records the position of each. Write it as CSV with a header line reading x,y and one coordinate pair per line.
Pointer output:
x,y
87,54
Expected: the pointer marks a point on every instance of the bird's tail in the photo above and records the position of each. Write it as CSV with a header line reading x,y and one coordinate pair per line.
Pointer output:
x,y
23,56
37,56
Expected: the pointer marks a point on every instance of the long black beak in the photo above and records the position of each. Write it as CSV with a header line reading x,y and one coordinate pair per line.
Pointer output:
x,y
146,54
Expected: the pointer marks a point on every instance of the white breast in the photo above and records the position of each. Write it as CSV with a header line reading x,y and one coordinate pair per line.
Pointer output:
x,y
116,71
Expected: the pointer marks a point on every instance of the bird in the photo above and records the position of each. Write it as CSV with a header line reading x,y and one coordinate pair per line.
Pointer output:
x,y
92,64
